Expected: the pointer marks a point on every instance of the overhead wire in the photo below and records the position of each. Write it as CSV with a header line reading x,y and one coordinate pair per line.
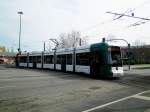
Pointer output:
x,y
109,21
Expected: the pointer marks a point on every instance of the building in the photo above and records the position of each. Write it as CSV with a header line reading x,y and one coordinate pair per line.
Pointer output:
x,y
2,49
6,56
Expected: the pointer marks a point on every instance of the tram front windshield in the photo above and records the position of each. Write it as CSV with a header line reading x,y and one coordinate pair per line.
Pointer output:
x,y
116,56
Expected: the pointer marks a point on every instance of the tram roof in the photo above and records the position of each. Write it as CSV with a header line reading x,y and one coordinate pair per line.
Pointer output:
x,y
83,47
102,45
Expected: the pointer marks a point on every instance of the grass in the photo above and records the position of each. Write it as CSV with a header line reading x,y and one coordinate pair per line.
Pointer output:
x,y
142,67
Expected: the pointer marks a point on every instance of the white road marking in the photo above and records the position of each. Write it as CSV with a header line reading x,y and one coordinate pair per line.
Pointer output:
x,y
7,87
142,97
110,103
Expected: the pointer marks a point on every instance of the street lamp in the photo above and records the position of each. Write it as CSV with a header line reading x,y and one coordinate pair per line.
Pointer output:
x,y
20,13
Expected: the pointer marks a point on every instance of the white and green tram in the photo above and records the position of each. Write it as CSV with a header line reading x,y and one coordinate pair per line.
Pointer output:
x,y
95,60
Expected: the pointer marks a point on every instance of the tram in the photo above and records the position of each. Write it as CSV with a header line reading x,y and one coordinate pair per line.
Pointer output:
x,y
95,60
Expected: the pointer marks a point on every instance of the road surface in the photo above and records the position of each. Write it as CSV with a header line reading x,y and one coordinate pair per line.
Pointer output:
x,y
32,90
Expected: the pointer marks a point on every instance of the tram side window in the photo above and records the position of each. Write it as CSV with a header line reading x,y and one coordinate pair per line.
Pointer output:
x,y
23,59
51,59
38,59
30,59
69,59
48,59
34,59
83,59
58,59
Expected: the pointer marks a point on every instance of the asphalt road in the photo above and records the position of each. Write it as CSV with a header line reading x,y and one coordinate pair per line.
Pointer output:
x,y
32,90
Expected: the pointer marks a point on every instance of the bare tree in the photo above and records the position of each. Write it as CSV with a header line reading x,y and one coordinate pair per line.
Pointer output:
x,y
48,47
83,40
138,44
71,39
140,51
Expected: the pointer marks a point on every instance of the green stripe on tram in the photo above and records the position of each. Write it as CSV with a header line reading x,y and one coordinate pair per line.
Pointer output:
x,y
102,49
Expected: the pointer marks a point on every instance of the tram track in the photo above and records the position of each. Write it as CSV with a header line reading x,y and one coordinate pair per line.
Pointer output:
x,y
137,81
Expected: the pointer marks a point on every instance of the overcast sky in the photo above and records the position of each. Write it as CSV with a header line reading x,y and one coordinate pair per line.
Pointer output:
x,y
44,19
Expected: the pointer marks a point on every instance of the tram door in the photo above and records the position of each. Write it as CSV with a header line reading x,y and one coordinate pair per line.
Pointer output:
x,y
63,63
96,64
